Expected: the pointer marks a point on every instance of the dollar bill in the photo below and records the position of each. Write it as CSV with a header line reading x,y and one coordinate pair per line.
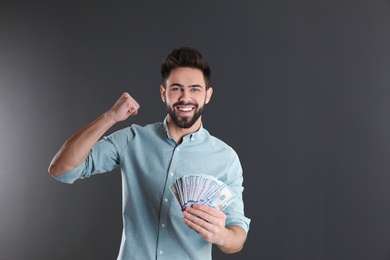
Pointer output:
x,y
202,189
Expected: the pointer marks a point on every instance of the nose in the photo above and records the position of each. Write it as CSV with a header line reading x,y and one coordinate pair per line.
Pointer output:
x,y
185,95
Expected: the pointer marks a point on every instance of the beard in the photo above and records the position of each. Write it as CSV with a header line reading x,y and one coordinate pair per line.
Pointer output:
x,y
184,122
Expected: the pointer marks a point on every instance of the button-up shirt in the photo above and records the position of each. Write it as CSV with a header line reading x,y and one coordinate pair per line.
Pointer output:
x,y
150,162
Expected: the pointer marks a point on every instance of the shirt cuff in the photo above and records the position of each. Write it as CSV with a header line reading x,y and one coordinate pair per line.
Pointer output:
x,y
72,175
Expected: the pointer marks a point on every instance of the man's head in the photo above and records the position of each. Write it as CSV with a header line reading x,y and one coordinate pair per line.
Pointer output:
x,y
185,57
186,87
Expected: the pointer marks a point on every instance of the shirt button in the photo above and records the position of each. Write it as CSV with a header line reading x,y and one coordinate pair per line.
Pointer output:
x,y
166,200
162,225
172,173
178,149
161,252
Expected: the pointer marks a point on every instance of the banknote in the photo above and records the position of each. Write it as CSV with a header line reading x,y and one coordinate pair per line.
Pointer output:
x,y
202,189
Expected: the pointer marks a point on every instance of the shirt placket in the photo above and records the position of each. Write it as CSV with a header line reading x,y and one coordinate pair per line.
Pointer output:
x,y
162,242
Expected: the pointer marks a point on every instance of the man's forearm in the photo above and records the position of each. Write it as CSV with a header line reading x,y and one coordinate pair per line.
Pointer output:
x,y
76,149
234,240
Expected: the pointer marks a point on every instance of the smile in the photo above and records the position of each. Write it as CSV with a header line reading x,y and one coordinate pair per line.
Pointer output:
x,y
185,109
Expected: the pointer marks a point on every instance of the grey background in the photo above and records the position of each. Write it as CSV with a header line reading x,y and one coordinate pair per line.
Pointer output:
x,y
301,92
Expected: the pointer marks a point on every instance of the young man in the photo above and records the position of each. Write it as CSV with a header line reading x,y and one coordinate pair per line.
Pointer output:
x,y
152,157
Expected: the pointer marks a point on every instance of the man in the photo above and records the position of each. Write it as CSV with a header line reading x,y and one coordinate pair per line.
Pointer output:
x,y
152,157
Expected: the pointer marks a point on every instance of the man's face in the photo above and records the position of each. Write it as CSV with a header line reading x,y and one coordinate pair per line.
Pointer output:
x,y
185,95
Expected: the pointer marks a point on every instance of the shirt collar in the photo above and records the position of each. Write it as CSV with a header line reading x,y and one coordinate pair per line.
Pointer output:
x,y
193,137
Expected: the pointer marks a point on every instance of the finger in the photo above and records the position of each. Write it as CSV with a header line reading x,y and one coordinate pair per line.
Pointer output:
x,y
207,209
206,212
196,223
133,111
131,103
202,218
196,214
126,96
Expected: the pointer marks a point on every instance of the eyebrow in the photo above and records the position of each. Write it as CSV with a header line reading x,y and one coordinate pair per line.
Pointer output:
x,y
182,86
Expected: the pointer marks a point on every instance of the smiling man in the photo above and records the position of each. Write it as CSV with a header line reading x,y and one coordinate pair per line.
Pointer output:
x,y
185,94
152,157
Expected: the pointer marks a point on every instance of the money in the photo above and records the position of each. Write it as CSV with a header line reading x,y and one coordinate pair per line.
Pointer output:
x,y
202,189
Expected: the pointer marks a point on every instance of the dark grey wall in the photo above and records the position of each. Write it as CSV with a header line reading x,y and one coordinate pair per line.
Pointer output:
x,y
301,91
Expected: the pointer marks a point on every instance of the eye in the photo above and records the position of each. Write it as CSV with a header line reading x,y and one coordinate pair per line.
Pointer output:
x,y
195,89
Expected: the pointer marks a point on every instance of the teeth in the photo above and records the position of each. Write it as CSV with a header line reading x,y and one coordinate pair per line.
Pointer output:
x,y
185,109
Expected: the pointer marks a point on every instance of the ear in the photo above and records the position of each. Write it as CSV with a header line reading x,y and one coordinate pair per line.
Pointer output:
x,y
209,93
162,93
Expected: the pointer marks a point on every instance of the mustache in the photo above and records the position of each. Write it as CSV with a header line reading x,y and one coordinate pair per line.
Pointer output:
x,y
182,103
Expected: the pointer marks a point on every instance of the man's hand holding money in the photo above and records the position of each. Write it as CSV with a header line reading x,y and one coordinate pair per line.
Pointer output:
x,y
207,221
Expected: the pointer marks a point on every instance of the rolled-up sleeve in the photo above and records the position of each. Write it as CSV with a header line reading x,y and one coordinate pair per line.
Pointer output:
x,y
235,211
103,157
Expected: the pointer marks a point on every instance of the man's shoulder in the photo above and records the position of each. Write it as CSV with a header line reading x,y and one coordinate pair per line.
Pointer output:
x,y
217,142
147,127
138,127
133,130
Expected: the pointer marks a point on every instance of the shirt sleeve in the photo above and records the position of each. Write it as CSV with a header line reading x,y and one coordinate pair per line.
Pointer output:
x,y
103,157
235,211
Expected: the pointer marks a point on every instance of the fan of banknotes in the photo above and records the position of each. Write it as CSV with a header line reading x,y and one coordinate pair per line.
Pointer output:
x,y
202,189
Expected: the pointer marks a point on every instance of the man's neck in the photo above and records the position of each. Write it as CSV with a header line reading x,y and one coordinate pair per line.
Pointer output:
x,y
177,133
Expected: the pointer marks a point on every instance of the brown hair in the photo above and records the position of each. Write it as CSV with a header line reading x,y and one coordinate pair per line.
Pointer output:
x,y
185,57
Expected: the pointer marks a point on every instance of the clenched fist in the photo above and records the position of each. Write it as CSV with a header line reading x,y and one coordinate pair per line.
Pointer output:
x,y
124,107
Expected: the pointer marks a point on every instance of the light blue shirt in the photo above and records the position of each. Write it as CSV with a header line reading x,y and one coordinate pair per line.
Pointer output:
x,y
150,161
